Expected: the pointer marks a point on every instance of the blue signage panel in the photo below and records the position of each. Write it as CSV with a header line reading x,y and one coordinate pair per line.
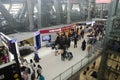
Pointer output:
x,y
37,40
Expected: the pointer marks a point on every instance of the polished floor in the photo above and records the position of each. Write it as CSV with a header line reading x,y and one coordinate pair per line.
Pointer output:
x,y
53,65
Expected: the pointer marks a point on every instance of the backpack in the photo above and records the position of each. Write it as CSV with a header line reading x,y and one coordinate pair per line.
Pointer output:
x,y
41,77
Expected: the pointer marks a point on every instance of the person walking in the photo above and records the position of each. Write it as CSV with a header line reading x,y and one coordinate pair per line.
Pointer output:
x,y
88,49
32,64
75,39
39,71
36,56
83,47
82,33
33,75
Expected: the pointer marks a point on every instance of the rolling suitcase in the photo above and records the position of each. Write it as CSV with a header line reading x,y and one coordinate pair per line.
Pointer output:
x,y
70,55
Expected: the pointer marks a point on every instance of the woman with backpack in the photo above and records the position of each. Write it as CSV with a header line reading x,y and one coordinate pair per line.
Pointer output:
x,y
39,70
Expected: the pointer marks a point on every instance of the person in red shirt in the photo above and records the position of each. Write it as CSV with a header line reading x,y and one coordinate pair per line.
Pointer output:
x,y
5,58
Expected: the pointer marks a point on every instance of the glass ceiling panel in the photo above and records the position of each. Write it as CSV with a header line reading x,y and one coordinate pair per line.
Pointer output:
x,y
76,7
7,6
15,8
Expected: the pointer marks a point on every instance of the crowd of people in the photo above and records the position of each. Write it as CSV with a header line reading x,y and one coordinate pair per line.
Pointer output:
x,y
33,69
64,40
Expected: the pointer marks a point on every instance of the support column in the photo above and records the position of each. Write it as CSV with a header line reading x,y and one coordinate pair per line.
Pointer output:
x,y
57,3
39,14
102,7
22,11
30,14
89,10
68,12
114,7
10,6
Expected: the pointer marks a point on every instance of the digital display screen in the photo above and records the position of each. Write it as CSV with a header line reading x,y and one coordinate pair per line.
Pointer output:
x,y
46,37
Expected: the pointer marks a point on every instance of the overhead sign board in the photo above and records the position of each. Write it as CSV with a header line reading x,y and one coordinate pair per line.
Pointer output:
x,y
103,1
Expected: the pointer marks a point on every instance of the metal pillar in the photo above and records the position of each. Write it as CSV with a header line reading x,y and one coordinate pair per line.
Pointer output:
x,y
39,14
102,7
45,13
83,10
10,6
112,13
68,12
22,11
57,3
30,14
13,44
114,7
89,10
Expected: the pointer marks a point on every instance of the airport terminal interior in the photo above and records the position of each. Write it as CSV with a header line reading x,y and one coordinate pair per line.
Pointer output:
x,y
59,40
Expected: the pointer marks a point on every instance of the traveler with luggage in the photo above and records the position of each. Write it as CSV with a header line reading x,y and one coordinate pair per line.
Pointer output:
x,y
66,55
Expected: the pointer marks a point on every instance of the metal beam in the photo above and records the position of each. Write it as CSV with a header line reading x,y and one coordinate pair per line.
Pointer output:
x,y
89,10
30,14
57,7
68,11
12,1
22,11
7,15
39,14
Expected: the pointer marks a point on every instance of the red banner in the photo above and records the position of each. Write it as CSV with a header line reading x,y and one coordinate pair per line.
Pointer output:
x,y
55,29
74,1
66,27
50,30
103,1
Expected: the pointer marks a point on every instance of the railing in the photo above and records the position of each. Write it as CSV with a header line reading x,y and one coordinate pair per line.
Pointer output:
x,y
79,65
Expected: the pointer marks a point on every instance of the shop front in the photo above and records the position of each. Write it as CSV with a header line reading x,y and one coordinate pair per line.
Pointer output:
x,y
25,42
48,35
